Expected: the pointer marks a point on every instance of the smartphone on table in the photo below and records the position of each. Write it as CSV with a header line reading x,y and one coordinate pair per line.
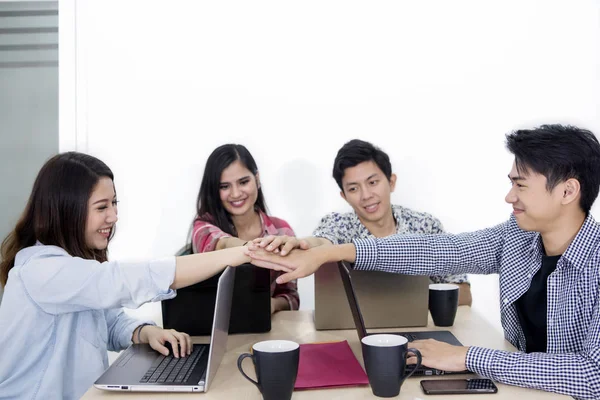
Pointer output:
x,y
458,386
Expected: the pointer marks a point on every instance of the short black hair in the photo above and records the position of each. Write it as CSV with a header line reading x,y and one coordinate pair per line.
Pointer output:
x,y
358,151
559,153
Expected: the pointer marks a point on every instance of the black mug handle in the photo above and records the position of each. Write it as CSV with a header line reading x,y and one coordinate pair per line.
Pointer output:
x,y
419,359
244,355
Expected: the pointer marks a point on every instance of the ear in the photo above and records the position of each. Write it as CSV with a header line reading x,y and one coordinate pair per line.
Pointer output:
x,y
257,176
392,182
343,195
571,191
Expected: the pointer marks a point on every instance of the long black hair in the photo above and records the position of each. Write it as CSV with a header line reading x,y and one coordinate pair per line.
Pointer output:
x,y
56,212
209,207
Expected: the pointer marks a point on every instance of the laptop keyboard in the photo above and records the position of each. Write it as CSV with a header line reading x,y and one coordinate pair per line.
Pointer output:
x,y
173,370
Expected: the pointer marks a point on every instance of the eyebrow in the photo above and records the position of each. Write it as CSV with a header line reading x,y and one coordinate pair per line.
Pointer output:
x,y
241,179
368,178
516,178
103,200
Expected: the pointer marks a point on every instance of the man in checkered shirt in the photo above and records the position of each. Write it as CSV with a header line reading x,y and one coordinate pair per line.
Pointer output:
x,y
547,256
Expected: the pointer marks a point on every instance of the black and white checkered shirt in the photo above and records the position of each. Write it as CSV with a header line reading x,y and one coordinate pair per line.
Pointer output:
x,y
572,363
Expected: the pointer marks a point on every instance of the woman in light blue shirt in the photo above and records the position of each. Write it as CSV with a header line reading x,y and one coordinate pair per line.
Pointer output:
x,y
62,302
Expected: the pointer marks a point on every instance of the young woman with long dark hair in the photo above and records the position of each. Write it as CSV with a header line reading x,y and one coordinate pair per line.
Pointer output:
x,y
63,299
231,211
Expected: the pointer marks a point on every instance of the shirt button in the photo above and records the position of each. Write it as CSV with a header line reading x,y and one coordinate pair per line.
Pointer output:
x,y
529,276
505,300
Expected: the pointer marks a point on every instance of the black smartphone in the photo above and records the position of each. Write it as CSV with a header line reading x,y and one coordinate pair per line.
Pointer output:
x,y
458,386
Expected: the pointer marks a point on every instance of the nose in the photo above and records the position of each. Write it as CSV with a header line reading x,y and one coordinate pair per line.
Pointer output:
x,y
235,191
511,197
365,193
111,216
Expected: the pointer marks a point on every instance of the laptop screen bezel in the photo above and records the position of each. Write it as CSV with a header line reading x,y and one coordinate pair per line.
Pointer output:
x,y
359,322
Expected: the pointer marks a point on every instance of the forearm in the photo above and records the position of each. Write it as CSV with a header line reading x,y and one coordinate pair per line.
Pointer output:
x,y
279,303
314,241
577,375
229,242
334,253
122,329
137,337
440,254
198,267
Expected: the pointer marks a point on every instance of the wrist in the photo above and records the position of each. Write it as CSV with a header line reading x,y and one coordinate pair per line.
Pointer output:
x,y
244,259
279,303
342,252
142,333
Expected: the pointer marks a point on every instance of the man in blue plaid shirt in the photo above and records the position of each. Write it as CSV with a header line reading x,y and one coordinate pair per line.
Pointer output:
x,y
547,256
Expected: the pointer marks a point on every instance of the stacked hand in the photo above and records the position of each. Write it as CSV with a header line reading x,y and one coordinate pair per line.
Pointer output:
x,y
281,244
285,253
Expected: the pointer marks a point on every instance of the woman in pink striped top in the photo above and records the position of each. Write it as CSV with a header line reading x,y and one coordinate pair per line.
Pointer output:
x,y
231,211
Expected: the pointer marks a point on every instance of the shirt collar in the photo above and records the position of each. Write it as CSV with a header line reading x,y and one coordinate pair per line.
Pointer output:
x,y
578,251
267,226
362,229
400,222
584,243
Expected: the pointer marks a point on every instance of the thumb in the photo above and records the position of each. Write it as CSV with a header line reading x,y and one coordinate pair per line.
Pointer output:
x,y
290,276
304,245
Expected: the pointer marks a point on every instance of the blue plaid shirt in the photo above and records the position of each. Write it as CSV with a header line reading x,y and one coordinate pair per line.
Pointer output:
x,y
572,364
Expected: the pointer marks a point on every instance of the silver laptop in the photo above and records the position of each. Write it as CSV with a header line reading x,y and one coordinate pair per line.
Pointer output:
x,y
357,316
141,369
378,293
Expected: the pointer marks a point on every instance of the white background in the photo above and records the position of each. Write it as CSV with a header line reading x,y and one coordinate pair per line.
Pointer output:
x,y
152,88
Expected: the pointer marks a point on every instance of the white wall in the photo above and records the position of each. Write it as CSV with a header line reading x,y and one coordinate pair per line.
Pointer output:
x,y
436,84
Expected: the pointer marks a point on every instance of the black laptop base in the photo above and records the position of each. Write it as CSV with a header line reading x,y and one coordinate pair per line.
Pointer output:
x,y
192,310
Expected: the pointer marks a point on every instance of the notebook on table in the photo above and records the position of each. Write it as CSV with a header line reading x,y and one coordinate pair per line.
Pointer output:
x,y
331,364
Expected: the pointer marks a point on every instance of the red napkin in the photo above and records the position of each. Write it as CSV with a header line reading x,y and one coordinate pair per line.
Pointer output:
x,y
328,365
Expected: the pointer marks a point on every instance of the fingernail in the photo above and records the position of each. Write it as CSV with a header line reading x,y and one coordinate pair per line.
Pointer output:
x,y
270,248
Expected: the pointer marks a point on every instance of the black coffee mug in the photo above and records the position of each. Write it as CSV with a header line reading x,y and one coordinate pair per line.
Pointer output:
x,y
385,361
443,303
276,367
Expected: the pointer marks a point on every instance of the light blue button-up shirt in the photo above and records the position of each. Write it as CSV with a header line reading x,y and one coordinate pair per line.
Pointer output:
x,y
60,314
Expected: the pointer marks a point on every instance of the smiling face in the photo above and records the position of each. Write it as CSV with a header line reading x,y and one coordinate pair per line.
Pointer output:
x,y
534,207
102,214
368,191
238,189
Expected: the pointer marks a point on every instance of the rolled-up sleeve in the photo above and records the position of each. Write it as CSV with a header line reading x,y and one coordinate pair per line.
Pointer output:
x,y
120,328
205,236
63,284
